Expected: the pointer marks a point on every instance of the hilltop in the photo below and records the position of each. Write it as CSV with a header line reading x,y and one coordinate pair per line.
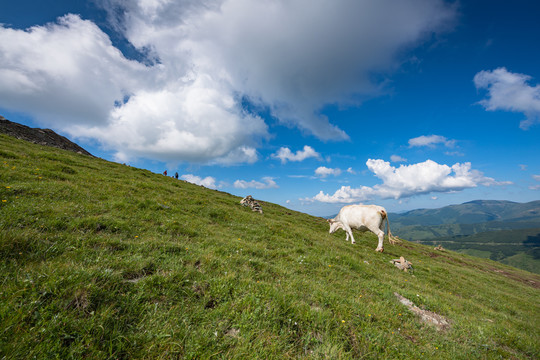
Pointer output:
x,y
101,260
39,136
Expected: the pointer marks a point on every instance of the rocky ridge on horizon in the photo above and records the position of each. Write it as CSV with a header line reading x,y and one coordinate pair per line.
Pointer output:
x,y
39,136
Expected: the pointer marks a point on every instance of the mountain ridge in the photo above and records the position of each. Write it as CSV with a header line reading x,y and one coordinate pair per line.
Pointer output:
x,y
39,136
471,212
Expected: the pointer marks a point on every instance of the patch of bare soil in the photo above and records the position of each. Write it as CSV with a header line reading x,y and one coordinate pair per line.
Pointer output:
x,y
531,280
429,317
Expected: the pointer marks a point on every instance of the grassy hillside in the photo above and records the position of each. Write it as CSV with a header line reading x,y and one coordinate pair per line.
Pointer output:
x,y
500,230
518,248
105,261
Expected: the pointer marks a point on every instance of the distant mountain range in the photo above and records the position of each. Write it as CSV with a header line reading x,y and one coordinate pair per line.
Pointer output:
x,y
505,231
472,212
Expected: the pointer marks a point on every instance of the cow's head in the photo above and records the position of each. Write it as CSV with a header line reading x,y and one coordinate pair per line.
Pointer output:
x,y
334,225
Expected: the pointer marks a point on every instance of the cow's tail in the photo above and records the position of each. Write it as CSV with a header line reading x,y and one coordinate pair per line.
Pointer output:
x,y
391,238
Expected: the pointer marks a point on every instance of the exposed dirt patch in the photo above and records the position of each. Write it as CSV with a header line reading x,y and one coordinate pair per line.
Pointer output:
x,y
429,317
235,333
528,279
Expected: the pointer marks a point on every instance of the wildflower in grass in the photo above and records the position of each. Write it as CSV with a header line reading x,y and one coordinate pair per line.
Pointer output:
x,y
343,321
8,187
4,200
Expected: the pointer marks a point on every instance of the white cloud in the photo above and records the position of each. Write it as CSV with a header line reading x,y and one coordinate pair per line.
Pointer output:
x,y
292,57
397,158
454,153
66,73
268,183
71,77
510,91
285,154
535,187
431,141
208,181
323,171
351,171
411,180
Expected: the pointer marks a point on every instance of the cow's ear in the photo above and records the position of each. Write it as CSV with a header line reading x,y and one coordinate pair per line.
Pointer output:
x,y
331,221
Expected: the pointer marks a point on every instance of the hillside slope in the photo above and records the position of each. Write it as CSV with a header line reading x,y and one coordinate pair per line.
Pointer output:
x,y
518,248
479,228
105,261
39,136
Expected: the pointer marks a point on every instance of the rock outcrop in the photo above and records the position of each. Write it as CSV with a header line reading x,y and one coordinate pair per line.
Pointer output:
x,y
39,136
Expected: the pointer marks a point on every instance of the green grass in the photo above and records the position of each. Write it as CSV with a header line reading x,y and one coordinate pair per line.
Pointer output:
x,y
105,261
518,248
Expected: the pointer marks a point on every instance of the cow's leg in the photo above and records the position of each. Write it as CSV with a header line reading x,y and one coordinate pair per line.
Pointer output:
x,y
349,233
380,235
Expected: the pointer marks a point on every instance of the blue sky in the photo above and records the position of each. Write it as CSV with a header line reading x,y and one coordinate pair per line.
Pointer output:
x,y
309,104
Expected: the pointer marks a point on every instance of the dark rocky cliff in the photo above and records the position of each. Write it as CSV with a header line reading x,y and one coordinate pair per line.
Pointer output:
x,y
39,136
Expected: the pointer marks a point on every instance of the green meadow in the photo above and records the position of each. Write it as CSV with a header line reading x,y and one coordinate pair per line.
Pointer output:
x,y
104,261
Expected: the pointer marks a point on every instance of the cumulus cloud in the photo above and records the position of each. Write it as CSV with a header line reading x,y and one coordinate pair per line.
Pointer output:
x,y
323,171
431,141
208,181
66,73
410,180
268,183
511,92
204,60
70,77
285,154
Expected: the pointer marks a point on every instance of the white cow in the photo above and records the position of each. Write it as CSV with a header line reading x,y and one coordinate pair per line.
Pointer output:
x,y
363,218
